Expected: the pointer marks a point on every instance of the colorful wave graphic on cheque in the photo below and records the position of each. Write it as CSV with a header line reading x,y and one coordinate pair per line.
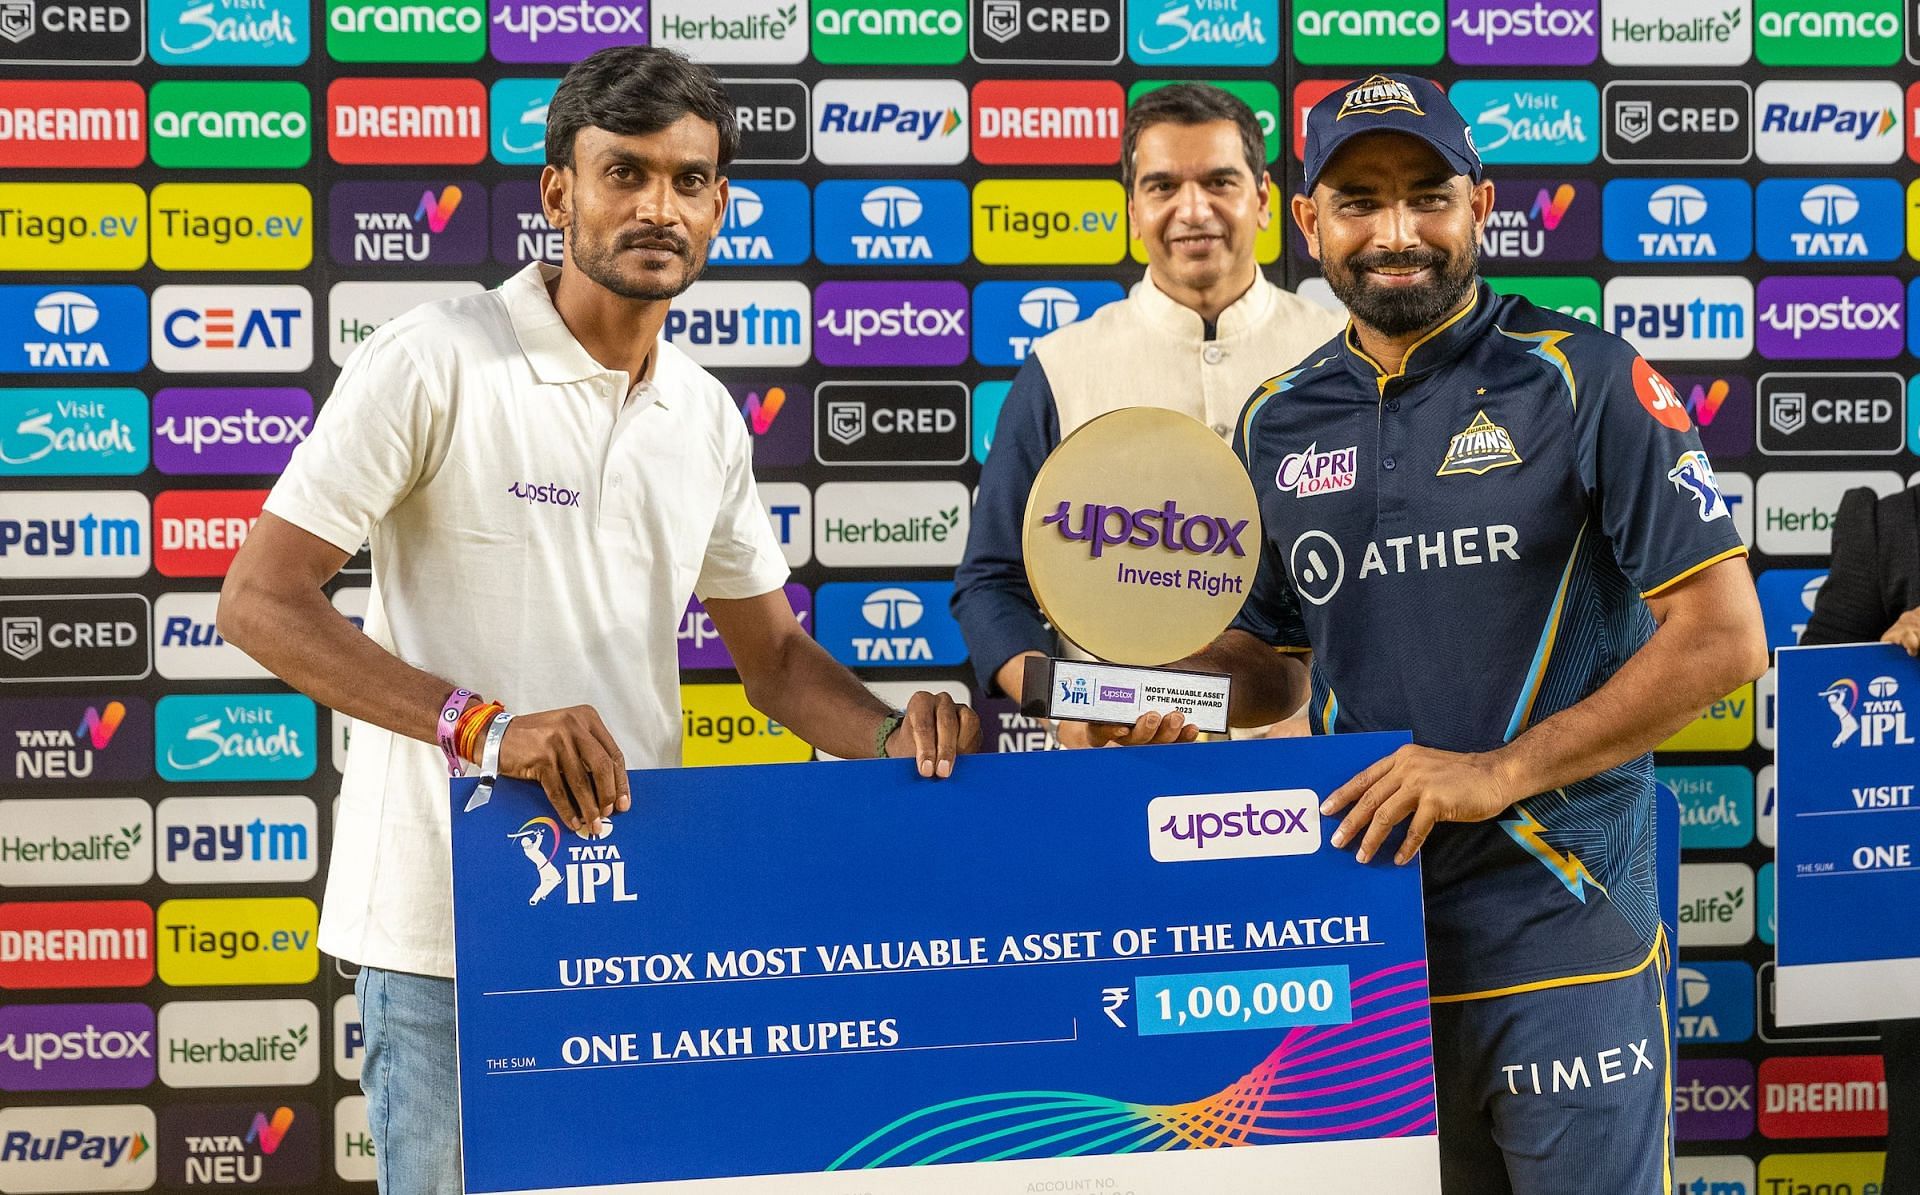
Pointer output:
x,y
1371,1077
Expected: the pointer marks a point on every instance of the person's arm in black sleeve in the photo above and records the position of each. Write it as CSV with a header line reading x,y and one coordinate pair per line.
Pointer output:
x,y
1849,609
992,601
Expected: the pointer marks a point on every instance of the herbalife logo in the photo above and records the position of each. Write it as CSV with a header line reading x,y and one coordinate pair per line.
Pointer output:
x,y
282,1047
115,846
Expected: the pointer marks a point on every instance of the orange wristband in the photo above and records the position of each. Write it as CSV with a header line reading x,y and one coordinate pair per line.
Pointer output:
x,y
472,724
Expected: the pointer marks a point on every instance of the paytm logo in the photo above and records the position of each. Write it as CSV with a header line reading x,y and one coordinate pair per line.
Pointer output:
x,y
1531,120
1247,825
74,533
1682,318
1203,32
890,122
234,736
237,840
1716,1005
1828,121
74,329
898,624
743,323
890,222
1008,317
766,225
1840,219
229,32
232,329
1694,219
517,110
72,432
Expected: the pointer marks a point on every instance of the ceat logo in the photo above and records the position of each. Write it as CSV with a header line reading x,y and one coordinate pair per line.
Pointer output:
x,y
199,531
69,124
1040,123
406,122
1844,1096
76,944
232,329
1658,396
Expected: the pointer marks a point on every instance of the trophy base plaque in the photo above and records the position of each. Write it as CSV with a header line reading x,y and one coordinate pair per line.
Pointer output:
x,y
1093,691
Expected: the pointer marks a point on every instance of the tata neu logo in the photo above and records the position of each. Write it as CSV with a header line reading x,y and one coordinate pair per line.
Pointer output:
x,y
76,739
1246,825
1835,1096
432,222
72,124
406,122
76,944
1542,220
1039,123
262,1144
198,532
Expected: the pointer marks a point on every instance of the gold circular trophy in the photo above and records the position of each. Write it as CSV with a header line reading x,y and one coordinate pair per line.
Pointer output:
x,y
1141,537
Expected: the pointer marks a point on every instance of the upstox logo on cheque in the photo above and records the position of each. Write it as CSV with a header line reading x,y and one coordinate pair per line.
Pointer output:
x,y
64,227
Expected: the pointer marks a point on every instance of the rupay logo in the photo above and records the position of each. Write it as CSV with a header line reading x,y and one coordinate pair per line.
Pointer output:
x,y
96,1148
189,646
890,122
1828,121
72,432
888,222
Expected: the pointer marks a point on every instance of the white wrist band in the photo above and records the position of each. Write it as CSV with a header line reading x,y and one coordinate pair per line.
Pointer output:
x,y
490,760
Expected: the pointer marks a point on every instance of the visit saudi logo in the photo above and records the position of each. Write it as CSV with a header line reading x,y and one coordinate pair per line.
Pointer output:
x,y
1828,32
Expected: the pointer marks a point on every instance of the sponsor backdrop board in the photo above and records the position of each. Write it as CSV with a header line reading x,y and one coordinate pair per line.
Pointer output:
x,y
205,207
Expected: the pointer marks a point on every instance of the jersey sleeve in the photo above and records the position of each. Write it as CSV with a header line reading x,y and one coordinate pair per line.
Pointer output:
x,y
1652,489
1271,612
743,557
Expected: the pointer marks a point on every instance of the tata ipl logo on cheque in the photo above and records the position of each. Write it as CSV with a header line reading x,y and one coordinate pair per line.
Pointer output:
x,y
1877,718
1203,32
1247,825
72,329
235,736
591,869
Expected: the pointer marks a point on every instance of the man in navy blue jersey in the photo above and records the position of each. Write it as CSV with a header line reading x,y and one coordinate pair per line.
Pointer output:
x,y
1492,525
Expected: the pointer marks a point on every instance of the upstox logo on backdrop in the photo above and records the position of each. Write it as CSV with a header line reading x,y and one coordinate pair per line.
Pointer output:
x,y
888,623
60,228
743,323
1831,317
1687,219
1531,120
228,32
1047,123
406,122
1523,32
232,329
256,125
1369,32
71,124
76,1047
1825,121
72,329
235,736
890,221
72,432
404,31
890,122
1203,32
766,224
1682,318
1833,219
220,943
1049,221
1828,32
890,323
232,226
1008,317
893,32
73,533
729,31
559,31
432,222
228,430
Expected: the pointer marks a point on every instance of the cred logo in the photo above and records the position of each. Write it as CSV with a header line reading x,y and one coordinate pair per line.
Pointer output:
x,y
1234,825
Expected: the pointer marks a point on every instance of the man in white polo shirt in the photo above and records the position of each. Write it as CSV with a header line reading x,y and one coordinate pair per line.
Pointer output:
x,y
545,481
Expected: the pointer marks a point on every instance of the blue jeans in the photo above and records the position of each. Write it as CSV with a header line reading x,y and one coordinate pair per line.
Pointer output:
x,y
409,1077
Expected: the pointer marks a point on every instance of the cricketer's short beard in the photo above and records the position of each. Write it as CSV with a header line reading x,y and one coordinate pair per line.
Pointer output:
x,y
1403,310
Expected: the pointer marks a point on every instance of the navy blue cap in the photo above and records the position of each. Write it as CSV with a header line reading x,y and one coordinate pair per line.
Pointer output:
x,y
1395,104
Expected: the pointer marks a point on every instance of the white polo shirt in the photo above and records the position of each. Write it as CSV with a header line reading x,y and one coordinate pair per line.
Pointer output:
x,y
536,533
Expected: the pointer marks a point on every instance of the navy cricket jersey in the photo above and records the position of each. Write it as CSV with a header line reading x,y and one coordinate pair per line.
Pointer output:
x,y
1465,545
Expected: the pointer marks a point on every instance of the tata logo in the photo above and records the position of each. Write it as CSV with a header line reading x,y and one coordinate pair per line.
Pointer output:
x,y
1694,219
1830,121
891,423
1542,220
521,233
1787,596
766,225
221,125
884,222
1678,122
399,31
97,34
237,840
1831,317
73,533
1203,32
1009,317
229,32
76,740
890,323
434,222
232,329
890,122
1674,318
1847,219
1531,120
789,507
1715,1005
406,122
729,31
251,736
91,329
1832,414
46,124
517,110
72,432
1834,33
861,31
92,637
889,626
1525,33
1046,32
563,30
743,323
1047,123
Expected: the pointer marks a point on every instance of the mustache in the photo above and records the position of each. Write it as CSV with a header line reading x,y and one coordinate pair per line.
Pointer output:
x,y
1412,259
658,238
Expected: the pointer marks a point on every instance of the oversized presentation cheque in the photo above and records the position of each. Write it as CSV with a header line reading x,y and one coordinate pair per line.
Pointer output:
x,y
1086,971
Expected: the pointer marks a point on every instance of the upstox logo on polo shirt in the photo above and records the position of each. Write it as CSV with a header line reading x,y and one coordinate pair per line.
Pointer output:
x,y
1531,120
73,433
232,329
890,222
729,31
1038,123
69,637
236,840
101,33
432,221
228,32
237,736
563,30
243,126
188,645
1828,121
890,323
1524,32
1682,318
65,125
766,224
1050,221
518,112
889,624
56,843
217,943
73,533
101,1148
1831,317
1542,220
1687,219
198,532
76,944
232,226
72,329
1203,32
1371,32
1828,32
884,524
1009,316
75,740
65,227
743,323
1835,219
1677,32
892,32
890,122
406,122
406,31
